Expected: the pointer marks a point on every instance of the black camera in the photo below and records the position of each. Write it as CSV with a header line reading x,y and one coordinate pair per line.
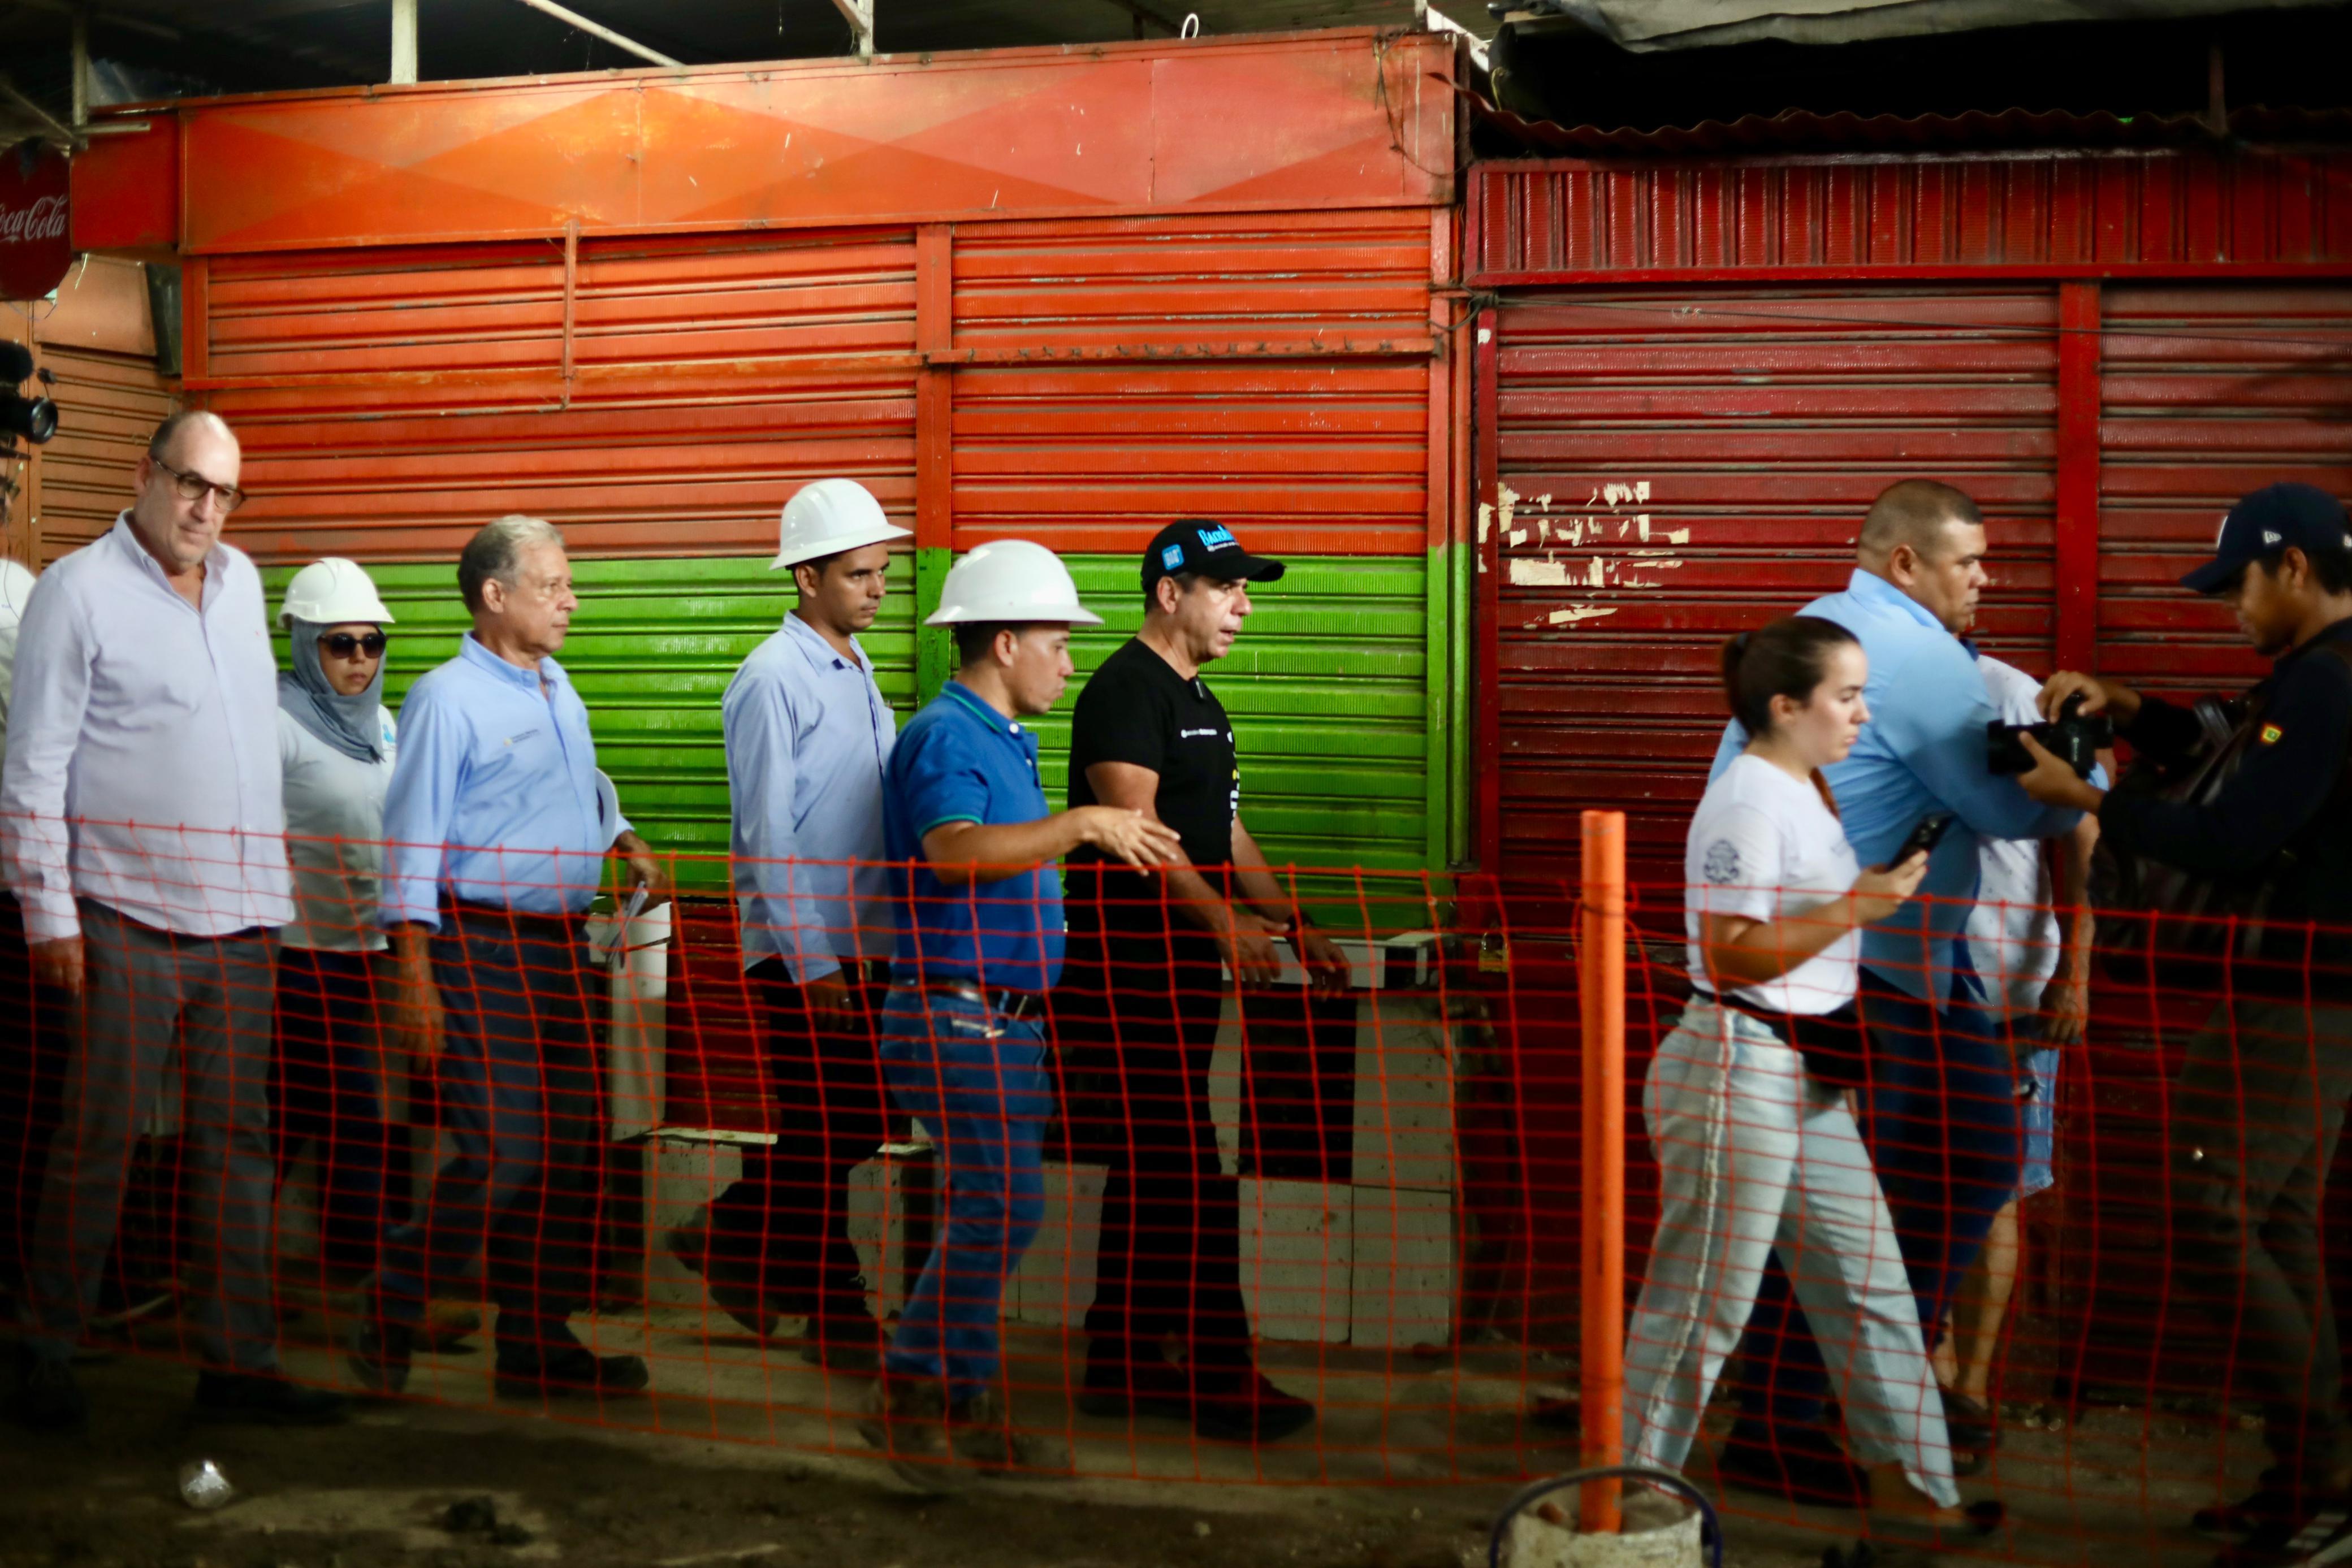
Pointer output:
x,y
2072,739
33,418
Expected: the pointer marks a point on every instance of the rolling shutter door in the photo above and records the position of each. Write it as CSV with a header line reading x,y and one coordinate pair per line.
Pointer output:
x,y
392,401
1272,372
108,405
1678,466
2206,391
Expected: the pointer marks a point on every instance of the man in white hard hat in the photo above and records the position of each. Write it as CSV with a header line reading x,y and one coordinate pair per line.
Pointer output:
x,y
808,737
145,692
498,838
974,847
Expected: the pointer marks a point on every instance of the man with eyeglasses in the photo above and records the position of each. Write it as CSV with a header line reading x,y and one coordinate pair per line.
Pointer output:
x,y
145,692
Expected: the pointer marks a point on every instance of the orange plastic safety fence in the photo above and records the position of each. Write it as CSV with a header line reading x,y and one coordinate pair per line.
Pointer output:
x,y
1316,1225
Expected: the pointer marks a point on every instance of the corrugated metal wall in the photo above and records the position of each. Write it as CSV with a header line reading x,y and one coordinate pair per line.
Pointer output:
x,y
2207,390
1676,466
391,401
98,341
393,398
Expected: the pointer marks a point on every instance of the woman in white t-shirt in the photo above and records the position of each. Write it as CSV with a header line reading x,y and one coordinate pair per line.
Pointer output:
x,y
1745,1099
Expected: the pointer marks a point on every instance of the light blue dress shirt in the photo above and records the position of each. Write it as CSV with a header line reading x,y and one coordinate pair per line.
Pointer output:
x,y
808,738
494,794
1922,754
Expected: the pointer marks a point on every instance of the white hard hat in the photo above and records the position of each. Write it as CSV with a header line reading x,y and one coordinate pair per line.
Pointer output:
x,y
827,517
1010,580
333,592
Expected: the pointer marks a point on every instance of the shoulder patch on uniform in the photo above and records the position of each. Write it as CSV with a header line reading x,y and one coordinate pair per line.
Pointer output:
x,y
1721,865
2270,734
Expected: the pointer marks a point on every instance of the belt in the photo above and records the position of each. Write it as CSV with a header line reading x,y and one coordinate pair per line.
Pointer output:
x,y
1005,1004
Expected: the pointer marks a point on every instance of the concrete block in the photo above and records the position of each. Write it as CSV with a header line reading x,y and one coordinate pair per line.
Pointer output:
x,y
1401,1277
1404,1094
1297,1246
681,1175
1055,1283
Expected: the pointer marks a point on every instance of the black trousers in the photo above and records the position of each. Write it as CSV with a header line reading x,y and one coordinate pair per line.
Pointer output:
x,y
522,1100
786,1221
1136,1018
332,1079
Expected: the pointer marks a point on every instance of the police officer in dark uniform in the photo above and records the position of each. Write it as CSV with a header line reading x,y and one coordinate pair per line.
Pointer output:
x,y
2262,1087
1139,1006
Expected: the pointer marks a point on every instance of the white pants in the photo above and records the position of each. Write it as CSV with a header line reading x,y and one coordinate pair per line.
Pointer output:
x,y
1755,1154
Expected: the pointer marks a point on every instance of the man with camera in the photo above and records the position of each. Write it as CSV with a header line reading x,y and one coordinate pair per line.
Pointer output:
x,y
1940,1112
2262,1092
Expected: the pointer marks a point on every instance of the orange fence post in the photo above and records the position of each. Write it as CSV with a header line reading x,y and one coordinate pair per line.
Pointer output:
x,y
1600,985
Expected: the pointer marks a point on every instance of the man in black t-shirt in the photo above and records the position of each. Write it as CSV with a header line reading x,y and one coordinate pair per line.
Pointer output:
x,y
1137,1008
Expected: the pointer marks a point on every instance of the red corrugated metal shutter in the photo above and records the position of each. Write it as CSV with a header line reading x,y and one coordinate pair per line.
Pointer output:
x,y
108,405
392,401
1676,466
1290,397
2206,391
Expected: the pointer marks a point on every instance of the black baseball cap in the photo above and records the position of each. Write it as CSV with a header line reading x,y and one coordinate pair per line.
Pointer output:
x,y
1196,544
2267,522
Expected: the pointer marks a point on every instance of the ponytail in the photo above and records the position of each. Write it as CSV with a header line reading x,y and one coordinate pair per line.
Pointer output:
x,y
1785,658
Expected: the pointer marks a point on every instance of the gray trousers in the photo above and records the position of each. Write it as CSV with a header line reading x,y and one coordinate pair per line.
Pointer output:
x,y
143,991
2255,1116
1755,1156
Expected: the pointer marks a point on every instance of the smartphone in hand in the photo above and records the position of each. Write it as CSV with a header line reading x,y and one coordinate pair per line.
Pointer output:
x,y
1924,838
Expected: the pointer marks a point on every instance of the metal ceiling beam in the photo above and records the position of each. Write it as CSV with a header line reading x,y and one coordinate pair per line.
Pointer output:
x,y
859,15
598,30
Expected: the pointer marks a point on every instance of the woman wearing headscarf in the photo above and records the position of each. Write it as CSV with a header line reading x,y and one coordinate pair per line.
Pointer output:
x,y
335,743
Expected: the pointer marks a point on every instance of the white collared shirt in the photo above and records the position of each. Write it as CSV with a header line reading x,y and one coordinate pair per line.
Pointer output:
x,y
142,747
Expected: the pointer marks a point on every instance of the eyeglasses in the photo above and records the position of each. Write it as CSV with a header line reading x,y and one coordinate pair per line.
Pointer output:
x,y
195,487
342,645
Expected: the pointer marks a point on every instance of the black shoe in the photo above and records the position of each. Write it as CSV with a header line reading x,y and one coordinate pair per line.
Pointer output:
x,y
1256,1412
1795,1464
572,1373
2318,1531
2276,1495
266,1399
1973,1430
378,1352
1117,1390
47,1397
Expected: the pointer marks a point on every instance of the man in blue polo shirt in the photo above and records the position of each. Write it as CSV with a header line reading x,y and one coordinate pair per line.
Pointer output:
x,y
1940,1112
974,847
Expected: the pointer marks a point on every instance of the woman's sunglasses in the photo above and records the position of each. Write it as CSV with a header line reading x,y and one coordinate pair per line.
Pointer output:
x,y
342,645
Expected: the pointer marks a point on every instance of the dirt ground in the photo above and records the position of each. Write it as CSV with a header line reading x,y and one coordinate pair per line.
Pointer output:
x,y
2111,1488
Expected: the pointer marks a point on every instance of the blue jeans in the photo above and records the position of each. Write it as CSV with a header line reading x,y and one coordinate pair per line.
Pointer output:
x,y
977,1080
1941,1116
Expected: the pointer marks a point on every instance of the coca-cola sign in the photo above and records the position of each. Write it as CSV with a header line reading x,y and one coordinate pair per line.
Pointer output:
x,y
36,230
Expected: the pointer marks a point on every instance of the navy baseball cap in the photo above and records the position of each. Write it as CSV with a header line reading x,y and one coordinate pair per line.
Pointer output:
x,y
1196,544
2267,522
